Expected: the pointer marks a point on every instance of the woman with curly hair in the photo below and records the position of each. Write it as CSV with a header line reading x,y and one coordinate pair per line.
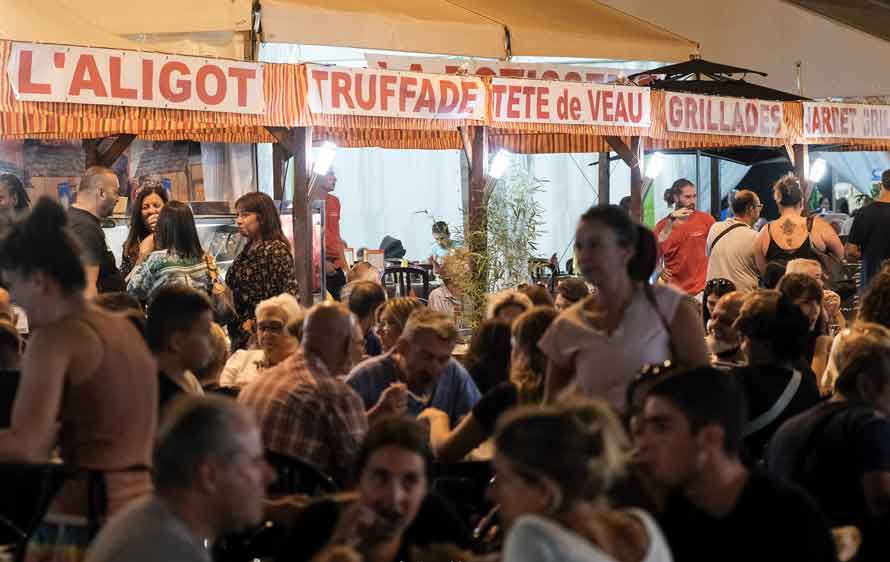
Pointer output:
x,y
528,368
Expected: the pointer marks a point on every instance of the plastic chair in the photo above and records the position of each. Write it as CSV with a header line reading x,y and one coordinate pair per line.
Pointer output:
x,y
401,278
27,490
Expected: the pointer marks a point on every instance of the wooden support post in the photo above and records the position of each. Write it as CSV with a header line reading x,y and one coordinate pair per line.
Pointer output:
x,y
801,167
478,205
297,141
476,237
715,188
91,152
632,156
302,227
278,159
603,187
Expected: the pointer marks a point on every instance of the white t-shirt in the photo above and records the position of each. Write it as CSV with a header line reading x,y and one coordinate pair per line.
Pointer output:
x,y
535,539
733,256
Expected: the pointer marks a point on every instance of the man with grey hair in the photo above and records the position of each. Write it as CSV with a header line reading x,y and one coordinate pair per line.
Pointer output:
x,y
210,478
97,194
731,244
304,410
419,372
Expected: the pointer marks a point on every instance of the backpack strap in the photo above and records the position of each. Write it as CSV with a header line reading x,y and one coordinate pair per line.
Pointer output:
x,y
724,233
777,408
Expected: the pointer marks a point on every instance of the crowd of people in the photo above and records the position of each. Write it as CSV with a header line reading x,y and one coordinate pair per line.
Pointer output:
x,y
728,411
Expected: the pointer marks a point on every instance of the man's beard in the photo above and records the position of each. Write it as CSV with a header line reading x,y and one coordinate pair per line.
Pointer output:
x,y
721,347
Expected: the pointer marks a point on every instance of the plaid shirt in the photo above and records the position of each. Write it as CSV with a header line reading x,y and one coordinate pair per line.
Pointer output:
x,y
306,413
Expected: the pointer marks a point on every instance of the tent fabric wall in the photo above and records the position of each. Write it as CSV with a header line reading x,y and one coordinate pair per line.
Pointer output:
x,y
856,167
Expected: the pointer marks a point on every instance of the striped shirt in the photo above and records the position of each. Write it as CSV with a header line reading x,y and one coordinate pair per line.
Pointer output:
x,y
162,268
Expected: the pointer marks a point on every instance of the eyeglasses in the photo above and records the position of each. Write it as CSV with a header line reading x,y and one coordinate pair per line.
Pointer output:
x,y
271,327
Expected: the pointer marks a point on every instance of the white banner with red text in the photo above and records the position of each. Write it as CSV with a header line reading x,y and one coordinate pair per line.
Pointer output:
x,y
713,115
387,93
58,73
473,67
856,121
568,103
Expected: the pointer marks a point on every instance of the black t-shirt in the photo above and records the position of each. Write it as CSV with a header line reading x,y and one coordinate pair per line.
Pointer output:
x,y
373,346
494,403
436,523
827,450
167,391
771,521
871,232
762,386
87,229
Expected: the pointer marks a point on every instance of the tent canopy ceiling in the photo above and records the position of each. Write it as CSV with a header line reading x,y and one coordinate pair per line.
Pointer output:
x,y
48,21
163,16
480,28
581,28
161,26
427,26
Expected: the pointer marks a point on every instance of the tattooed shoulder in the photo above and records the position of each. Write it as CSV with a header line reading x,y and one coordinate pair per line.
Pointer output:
x,y
788,227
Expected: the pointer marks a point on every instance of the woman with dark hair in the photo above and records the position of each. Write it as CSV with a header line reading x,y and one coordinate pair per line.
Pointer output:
x,y
714,289
792,236
807,294
528,369
144,213
488,359
600,343
773,330
179,258
13,197
875,303
88,387
263,269
553,470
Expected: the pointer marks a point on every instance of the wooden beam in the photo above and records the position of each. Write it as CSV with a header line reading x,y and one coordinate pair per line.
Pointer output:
x,y
632,157
278,160
715,188
300,141
287,138
801,167
604,171
91,152
108,157
476,237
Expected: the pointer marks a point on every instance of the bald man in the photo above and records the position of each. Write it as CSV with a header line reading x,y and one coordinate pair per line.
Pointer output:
x,y
97,194
304,410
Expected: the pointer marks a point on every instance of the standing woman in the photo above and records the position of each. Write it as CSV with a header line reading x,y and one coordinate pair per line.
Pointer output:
x,y
179,258
144,215
88,387
13,197
600,343
792,236
264,268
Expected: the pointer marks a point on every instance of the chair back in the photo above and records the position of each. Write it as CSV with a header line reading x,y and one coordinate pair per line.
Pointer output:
x,y
543,273
296,476
27,491
403,280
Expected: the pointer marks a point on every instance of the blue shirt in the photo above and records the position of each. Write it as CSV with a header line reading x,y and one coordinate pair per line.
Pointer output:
x,y
455,393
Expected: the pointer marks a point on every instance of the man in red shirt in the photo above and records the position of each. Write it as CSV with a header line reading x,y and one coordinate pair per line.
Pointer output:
x,y
335,258
682,239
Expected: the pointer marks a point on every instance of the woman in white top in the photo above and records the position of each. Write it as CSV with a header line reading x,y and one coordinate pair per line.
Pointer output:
x,y
275,318
553,466
600,343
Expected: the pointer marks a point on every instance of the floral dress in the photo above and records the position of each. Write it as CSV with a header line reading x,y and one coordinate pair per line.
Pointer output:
x,y
262,270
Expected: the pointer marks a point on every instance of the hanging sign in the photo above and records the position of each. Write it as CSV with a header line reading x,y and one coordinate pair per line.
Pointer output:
x,y
539,101
57,73
474,67
849,120
386,93
714,115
